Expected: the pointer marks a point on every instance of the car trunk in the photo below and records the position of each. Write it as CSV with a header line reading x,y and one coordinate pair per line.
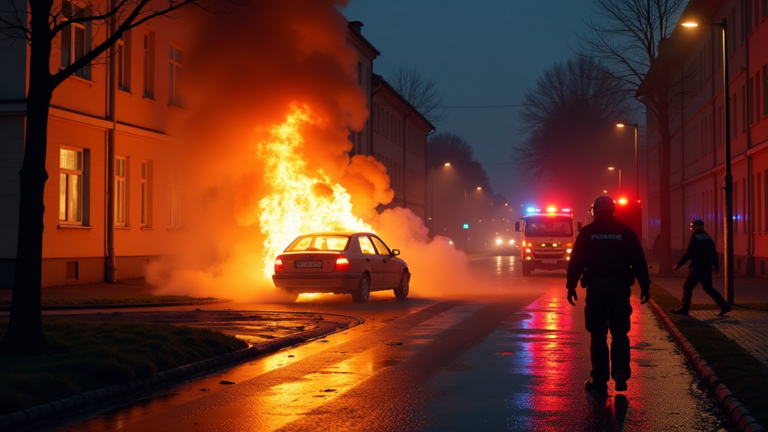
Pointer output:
x,y
309,262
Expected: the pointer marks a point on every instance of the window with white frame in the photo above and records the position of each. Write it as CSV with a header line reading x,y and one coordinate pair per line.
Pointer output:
x,y
174,76
147,66
146,193
70,185
124,62
174,198
121,190
76,37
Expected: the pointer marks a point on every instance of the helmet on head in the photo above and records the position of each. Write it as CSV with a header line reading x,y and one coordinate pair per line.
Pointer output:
x,y
603,204
697,223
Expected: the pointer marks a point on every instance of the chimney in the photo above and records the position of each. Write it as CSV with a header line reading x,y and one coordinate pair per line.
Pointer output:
x,y
357,26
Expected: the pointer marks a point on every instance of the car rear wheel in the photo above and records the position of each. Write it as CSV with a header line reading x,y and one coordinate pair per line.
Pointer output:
x,y
363,291
288,296
404,288
527,269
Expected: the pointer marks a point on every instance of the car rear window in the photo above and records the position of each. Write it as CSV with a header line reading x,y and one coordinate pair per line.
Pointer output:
x,y
336,243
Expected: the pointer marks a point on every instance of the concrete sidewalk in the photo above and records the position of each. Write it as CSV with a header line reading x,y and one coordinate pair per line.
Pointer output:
x,y
746,324
124,288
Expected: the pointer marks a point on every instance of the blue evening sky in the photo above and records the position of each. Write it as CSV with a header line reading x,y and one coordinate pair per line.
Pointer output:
x,y
481,52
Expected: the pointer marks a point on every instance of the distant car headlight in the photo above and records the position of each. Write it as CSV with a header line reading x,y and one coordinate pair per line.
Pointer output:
x,y
511,242
498,241
568,250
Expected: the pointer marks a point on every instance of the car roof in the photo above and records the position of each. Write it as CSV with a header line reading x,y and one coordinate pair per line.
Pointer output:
x,y
343,233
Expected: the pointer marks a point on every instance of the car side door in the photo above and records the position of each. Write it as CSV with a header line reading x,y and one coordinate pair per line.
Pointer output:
x,y
375,264
391,266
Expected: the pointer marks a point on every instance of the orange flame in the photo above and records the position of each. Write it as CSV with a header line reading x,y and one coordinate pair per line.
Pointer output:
x,y
301,202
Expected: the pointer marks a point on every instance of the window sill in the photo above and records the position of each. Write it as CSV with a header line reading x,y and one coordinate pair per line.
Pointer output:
x,y
177,107
148,98
125,92
122,227
146,228
80,227
175,229
81,79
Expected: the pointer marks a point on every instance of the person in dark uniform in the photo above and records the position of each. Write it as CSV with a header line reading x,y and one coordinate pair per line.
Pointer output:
x,y
607,256
703,256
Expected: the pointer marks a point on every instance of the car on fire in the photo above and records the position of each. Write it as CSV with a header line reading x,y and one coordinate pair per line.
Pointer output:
x,y
354,263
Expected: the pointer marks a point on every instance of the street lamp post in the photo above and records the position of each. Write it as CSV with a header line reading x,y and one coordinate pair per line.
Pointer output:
x,y
466,215
637,170
614,168
727,177
432,195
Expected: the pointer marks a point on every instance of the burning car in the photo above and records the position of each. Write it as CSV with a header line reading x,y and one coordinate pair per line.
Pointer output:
x,y
341,263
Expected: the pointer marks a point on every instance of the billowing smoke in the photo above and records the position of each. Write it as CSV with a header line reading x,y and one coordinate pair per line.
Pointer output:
x,y
246,71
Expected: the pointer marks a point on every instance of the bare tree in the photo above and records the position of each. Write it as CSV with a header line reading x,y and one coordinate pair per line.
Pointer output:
x,y
40,24
419,91
628,36
568,116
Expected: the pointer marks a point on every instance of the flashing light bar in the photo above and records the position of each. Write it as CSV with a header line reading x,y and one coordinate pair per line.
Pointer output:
x,y
623,201
550,209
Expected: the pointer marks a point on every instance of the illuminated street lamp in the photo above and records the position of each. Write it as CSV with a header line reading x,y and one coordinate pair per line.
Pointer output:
x,y
432,194
727,177
637,171
615,168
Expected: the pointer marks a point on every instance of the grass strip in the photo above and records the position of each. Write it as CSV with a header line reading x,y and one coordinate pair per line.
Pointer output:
x,y
84,356
746,376
119,300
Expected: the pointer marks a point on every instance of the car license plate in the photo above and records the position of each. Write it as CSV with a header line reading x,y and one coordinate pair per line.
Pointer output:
x,y
549,261
308,264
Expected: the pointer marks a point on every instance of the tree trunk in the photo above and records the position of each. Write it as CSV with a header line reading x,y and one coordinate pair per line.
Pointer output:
x,y
25,329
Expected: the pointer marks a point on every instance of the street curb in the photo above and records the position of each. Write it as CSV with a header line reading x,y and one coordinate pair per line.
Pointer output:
x,y
122,305
68,405
737,413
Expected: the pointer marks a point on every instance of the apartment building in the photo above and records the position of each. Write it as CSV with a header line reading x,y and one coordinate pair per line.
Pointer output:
x,y
697,144
400,143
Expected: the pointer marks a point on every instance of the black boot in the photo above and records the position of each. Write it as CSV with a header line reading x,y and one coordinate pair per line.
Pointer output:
x,y
680,311
724,309
597,387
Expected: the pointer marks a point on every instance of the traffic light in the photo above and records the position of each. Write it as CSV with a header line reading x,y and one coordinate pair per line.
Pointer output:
x,y
466,226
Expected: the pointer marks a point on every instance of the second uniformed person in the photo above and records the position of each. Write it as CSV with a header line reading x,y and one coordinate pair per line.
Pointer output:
x,y
703,255
608,255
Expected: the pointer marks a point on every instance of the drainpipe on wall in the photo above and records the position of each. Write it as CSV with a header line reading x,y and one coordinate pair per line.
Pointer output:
x,y
111,265
405,166
749,268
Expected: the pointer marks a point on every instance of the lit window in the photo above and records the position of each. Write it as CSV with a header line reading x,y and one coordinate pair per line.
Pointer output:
x,y
174,76
121,175
71,185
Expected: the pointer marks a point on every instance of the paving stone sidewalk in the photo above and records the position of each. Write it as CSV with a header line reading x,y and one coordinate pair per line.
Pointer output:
x,y
745,326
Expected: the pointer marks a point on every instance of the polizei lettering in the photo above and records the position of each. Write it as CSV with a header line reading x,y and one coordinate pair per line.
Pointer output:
x,y
606,237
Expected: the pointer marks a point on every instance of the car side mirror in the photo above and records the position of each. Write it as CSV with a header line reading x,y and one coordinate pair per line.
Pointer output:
x,y
395,252
517,226
578,226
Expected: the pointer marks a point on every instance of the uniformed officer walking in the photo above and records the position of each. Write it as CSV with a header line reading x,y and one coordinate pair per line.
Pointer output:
x,y
608,255
703,256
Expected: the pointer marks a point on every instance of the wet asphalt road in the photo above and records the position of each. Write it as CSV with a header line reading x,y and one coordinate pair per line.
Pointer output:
x,y
512,355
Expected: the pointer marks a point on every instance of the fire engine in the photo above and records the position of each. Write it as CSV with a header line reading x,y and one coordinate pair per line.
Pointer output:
x,y
546,238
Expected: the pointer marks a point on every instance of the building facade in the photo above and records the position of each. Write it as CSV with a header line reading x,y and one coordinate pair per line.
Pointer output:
x,y
150,208
697,132
400,143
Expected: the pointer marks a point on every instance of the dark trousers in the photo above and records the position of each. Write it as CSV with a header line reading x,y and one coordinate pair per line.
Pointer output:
x,y
608,308
703,277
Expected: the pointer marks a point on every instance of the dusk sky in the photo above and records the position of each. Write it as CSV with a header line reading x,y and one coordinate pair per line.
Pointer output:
x,y
484,52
